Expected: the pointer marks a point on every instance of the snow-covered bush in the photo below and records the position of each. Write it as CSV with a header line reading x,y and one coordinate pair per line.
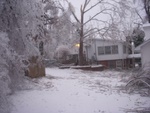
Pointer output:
x,y
62,52
4,73
49,51
19,22
12,67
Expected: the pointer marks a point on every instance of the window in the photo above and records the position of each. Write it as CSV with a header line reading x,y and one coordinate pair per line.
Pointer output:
x,y
100,50
107,49
115,49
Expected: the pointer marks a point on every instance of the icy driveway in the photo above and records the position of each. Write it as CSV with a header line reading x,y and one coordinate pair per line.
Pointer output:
x,y
76,91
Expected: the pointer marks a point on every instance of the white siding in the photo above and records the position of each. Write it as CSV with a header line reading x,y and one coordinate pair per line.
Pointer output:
x,y
97,43
145,54
89,52
146,28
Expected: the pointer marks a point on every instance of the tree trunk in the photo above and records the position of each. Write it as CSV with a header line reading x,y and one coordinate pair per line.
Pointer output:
x,y
81,56
147,9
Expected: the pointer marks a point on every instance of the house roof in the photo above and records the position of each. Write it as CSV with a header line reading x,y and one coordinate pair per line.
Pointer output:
x,y
145,42
109,40
146,25
138,48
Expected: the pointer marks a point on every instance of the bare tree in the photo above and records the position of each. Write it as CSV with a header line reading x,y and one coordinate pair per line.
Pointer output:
x,y
147,8
84,9
109,8
143,6
60,30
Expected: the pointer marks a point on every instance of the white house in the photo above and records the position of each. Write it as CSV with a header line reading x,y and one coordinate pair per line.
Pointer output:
x,y
144,48
111,53
114,53
146,28
145,53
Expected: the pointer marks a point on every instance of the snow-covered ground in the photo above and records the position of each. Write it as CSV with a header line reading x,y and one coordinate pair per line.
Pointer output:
x,y
77,91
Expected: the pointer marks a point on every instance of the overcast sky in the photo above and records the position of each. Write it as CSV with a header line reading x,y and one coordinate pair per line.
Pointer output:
x,y
77,4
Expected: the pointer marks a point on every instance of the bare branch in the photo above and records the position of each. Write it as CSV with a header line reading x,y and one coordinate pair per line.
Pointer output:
x,y
75,17
108,14
88,2
106,31
95,19
108,3
81,10
90,31
95,15
139,16
93,6
85,4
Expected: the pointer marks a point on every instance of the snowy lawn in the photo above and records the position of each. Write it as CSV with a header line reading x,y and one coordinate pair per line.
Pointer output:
x,y
77,91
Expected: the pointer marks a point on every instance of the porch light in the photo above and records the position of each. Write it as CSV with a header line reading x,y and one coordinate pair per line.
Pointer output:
x,y
77,45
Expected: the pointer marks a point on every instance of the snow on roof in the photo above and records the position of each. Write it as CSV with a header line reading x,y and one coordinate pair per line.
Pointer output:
x,y
138,48
145,42
134,56
146,25
109,40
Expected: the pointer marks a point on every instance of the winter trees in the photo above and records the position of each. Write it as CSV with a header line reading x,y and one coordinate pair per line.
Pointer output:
x,y
147,8
143,6
138,36
62,52
18,26
82,23
4,72
19,20
58,27
108,16
22,34
140,79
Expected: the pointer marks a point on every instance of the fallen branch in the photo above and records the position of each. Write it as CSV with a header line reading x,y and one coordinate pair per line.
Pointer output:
x,y
140,79
138,110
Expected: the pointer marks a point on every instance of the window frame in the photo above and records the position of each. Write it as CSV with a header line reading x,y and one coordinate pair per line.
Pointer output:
x,y
107,51
115,49
101,50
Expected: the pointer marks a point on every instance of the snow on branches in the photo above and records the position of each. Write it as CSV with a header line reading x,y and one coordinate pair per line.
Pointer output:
x,y
62,52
